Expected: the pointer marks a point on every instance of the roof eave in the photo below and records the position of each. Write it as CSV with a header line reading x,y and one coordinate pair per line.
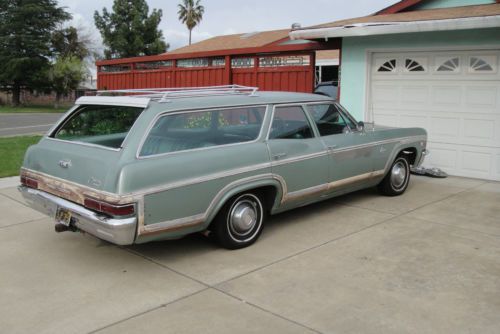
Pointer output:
x,y
272,48
384,28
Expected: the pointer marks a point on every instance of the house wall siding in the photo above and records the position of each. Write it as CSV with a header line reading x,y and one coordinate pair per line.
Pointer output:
x,y
355,55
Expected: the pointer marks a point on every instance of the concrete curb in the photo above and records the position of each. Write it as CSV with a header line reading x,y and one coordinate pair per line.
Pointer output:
x,y
9,182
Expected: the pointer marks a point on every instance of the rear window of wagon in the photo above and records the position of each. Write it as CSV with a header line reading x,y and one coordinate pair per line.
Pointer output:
x,y
201,129
98,125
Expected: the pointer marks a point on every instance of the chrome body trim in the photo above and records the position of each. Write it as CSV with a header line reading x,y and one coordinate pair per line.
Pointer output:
x,y
403,140
65,163
328,187
202,217
118,231
166,114
128,197
81,143
204,178
303,193
353,179
174,224
66,186
299,158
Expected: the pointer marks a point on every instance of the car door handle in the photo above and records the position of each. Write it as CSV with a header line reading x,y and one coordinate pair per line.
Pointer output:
x,y
331,147
279,156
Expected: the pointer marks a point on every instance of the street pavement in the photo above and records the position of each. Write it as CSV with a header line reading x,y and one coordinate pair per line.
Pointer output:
x,y
26,123
424,262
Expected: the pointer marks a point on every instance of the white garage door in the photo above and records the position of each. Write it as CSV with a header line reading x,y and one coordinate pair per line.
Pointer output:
x,y
454,95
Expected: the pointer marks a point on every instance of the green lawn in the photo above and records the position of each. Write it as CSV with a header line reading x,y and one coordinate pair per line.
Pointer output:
x,y
32,109
12,153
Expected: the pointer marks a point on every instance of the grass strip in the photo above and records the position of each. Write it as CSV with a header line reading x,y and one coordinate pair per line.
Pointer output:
x,y
12,151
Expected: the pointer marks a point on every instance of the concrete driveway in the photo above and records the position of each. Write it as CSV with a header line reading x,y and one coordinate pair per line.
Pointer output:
x,y
424,262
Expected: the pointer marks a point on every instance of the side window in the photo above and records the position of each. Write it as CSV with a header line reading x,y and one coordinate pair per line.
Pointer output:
x,y
242,117
193,121
290,123
226,118
192,130
350,120
328,119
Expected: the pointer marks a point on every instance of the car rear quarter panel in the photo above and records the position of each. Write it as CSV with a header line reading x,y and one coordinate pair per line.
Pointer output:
x,y
184,184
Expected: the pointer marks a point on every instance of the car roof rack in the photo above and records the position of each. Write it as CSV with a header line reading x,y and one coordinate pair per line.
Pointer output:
x,y
168,94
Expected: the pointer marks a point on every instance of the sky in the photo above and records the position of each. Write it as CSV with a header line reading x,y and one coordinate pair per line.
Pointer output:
x,y
224,17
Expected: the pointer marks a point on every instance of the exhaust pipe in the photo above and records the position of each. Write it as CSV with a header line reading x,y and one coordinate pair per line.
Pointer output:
x,y
63,228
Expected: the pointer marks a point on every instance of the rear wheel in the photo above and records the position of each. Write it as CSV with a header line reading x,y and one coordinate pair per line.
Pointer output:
x,y
240,222
396,181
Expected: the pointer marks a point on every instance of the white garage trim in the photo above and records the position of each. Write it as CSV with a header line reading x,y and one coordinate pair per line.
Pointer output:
x,y
385,28
454,93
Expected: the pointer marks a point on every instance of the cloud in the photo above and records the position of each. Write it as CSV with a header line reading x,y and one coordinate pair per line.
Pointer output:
x,y
224,17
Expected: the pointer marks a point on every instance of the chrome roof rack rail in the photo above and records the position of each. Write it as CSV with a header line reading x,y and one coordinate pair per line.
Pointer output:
x,y
167,94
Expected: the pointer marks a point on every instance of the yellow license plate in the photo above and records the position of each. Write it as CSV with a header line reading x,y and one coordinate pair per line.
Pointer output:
x,y
63,216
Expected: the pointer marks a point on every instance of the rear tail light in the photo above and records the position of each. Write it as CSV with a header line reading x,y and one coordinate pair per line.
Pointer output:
x,y
110,209
29,182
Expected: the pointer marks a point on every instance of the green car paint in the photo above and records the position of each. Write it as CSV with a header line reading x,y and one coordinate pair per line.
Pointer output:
x,y
180,192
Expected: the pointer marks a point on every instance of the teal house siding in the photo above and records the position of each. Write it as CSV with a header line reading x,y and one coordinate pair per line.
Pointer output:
x,y
355,57
450,3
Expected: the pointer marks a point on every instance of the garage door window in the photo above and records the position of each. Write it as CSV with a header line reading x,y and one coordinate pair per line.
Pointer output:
x,y
412,65
450,65
388,66
481,64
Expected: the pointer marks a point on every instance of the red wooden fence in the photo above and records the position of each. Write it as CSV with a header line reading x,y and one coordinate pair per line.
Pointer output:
x,y
278,78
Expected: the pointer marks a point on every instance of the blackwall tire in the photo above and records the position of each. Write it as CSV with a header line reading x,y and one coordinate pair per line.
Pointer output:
x,y
397,179
240,222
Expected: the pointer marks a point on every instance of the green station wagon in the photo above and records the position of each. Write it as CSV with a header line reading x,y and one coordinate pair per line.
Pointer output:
x,y
160,164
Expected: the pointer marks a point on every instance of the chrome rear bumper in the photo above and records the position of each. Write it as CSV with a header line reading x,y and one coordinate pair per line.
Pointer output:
x,y
118,231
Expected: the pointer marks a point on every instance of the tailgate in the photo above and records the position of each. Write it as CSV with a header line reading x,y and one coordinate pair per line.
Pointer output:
x,y
90,166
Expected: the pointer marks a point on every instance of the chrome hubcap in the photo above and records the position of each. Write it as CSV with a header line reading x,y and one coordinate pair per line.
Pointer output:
x,y
243,217
398,174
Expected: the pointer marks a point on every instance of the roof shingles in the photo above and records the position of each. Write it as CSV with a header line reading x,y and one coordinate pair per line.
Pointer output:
x,y
238,41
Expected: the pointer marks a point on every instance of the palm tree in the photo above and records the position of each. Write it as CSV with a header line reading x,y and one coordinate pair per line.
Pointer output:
x,y
190,13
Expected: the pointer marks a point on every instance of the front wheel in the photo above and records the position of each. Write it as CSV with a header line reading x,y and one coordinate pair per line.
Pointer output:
x,y
240,221
396,181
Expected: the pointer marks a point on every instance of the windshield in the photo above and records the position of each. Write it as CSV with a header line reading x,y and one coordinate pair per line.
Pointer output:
x,y
99,125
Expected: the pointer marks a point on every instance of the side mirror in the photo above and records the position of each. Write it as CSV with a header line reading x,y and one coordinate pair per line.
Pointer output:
x,y
361,126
